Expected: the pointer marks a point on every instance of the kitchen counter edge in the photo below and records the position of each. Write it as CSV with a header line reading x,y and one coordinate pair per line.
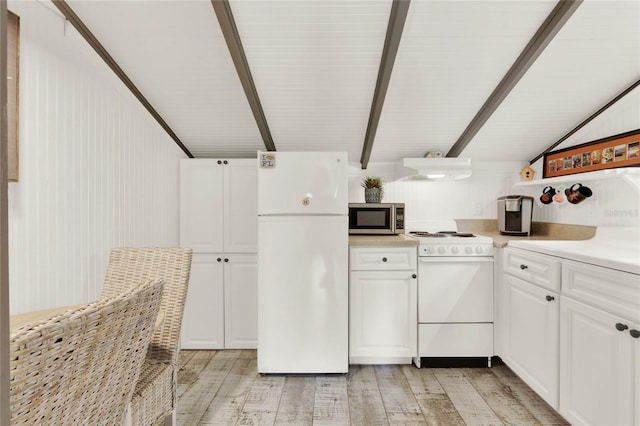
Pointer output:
x,y
382,241
539,231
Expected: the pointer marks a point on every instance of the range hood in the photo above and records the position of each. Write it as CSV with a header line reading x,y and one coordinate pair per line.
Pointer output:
x,y
433,169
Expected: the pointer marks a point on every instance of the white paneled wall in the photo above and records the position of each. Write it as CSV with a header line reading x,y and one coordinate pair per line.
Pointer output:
x,y
473,198
615,202
96,171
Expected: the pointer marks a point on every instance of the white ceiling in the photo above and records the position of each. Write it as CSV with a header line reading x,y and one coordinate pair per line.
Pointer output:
x,y
315,64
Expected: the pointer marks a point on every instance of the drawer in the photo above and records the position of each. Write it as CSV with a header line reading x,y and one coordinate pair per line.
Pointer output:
x,y
611,290
383,258
536,268
455,340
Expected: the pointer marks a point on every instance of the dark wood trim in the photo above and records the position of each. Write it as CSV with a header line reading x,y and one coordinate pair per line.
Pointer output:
x,y
585,122
71,16
397,18
232,37
4,227
540,40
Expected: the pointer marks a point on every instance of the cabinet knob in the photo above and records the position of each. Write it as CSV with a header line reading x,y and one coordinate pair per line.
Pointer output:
x,y
523,267
634,333
384,259
226,259
621,327
219,259
415,276
550,298
219,162
225,162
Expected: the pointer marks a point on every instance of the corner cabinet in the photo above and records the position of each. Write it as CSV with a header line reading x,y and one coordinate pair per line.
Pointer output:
x,y
599,345
218,220
571,331
383,313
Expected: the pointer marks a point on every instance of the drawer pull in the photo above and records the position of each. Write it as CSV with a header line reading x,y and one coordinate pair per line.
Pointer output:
x,y
550,298
523,267
219,259
415,276
634,333
384,259
226,259
621,327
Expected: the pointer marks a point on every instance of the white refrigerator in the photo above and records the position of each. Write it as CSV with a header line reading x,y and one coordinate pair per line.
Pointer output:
x,y
303,262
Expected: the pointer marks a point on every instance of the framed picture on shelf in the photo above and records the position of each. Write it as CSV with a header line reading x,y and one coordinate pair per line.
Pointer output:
x,y
621,150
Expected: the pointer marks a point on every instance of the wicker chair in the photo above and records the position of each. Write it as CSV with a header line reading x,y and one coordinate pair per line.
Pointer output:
x,y
80,367
154,398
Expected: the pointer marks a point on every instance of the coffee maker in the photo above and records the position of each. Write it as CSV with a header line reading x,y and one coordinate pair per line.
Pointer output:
x,y
514,214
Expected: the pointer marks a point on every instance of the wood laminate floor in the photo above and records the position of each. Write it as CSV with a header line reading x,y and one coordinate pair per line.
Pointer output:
x,y
224,388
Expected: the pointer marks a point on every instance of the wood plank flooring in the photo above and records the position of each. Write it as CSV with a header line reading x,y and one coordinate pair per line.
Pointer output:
x,y
224,388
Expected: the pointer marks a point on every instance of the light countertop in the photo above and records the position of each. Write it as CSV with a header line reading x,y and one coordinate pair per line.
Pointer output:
x,y
382,240
616,248
539,231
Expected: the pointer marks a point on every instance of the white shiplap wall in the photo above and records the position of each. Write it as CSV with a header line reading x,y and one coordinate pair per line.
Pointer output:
x,y
96,171
472,198
615,202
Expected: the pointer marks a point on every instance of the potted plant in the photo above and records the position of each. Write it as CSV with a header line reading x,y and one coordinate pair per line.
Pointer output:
x,y
373,189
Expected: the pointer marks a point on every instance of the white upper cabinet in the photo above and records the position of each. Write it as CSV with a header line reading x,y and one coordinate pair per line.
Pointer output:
x,y
240,207
218,202
201,199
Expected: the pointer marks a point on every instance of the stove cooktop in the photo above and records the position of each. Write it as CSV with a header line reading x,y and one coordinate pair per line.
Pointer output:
x,y
452,243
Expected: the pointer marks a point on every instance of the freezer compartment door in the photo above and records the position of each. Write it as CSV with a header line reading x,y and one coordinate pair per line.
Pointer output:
x,y
302,183
303,294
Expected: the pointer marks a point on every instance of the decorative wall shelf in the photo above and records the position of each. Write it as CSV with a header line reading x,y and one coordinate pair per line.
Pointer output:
x,y
583,177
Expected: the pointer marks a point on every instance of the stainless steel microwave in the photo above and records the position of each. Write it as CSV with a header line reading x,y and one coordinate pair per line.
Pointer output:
x,y
372,218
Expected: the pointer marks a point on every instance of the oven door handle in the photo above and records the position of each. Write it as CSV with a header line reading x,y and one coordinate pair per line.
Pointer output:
x,y
455,259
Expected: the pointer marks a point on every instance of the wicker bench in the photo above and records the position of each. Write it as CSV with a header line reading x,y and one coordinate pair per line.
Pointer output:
x,y
80,367
154,398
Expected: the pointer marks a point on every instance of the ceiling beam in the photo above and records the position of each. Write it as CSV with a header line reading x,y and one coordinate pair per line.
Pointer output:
x,y
397,18
540,40
585,122
232,37
71,16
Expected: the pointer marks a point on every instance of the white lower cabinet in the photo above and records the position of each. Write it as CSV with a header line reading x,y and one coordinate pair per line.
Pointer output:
x,y
221,306
573,335
531,336
241,302
382,306
599,366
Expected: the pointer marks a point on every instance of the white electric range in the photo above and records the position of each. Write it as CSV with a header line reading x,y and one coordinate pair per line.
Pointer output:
x,y
455,295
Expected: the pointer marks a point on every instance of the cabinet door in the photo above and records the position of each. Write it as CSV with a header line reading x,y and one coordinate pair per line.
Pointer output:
x,y
241,301
532,321
382,258
534,267
201,198
635,333
203,321
241,206
596,366
383,314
